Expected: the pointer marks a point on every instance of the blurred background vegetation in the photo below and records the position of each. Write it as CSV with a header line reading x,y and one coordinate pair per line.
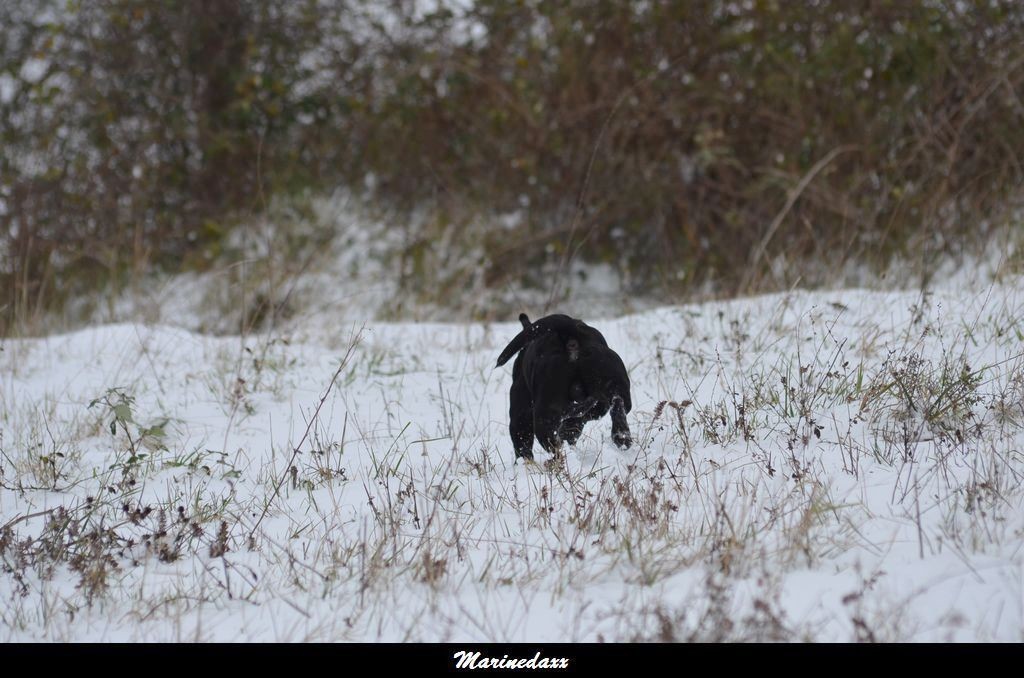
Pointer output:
x,y
688,144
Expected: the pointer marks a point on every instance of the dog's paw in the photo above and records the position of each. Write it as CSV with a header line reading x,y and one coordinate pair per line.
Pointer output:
x,y
622,439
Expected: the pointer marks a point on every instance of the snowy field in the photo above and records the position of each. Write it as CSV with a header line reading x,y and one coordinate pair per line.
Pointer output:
x,y
832,466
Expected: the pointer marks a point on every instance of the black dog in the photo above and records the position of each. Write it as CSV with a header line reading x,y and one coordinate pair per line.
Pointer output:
x,y
564,376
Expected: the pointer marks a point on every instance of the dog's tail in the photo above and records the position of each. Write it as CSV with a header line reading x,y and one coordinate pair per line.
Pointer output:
x,y
562,324
519,342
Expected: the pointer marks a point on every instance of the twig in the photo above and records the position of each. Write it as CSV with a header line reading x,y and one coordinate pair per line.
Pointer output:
x,y
19,519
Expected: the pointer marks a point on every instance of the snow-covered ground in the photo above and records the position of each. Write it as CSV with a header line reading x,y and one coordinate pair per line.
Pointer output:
x,y
831,466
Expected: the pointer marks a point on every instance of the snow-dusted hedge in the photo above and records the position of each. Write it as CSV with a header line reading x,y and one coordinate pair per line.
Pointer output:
x,y
677,141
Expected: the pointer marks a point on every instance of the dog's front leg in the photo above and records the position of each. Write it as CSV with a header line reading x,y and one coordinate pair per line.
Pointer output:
x,y
549,439
571,427
620,427
547,422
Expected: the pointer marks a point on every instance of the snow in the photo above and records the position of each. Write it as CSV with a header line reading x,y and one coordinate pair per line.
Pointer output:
x,y
875,495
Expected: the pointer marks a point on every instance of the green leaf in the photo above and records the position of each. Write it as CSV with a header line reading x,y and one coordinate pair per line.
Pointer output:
x,y
155,431
122,412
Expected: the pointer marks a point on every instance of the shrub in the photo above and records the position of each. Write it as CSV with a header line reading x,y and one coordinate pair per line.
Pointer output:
x,y
682,141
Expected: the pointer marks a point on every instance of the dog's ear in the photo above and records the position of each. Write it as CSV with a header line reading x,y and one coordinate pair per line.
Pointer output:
x,y
525,320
